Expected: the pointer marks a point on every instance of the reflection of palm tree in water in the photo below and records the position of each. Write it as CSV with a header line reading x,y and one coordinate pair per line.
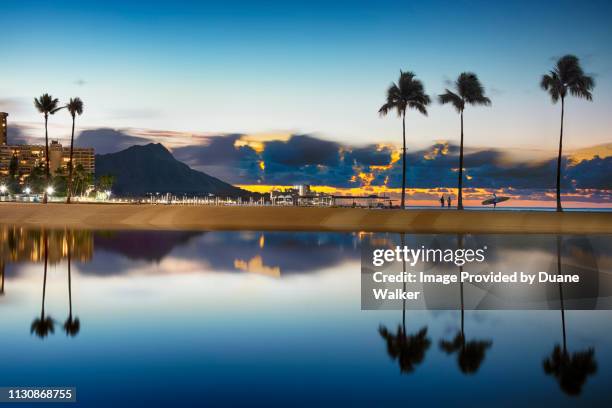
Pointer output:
x,y
470,354
45,324
571,371
408,350
2,277
71,326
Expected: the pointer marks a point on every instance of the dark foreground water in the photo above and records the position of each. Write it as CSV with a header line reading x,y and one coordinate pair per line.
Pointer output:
x,y
265,319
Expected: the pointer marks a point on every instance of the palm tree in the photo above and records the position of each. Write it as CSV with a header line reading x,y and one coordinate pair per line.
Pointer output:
x,y
470,354
75,107
71,326
566,76
468,90
44,325
47,105
408,350
407,93
571,371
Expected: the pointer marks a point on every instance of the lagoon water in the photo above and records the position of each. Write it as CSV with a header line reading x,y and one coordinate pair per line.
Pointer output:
x,y
270,318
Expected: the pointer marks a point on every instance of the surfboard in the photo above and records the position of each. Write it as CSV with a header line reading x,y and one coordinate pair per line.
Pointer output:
x,y
496,200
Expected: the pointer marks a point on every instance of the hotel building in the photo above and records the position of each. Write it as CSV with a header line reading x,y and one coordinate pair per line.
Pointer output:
x,y
31,156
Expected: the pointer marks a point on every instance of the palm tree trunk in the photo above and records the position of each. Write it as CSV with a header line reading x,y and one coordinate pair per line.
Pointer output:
x,y
2,272
460,242
460,189
71,166
403,202
45,198
403,243
46,248
559,208
561,294
69,281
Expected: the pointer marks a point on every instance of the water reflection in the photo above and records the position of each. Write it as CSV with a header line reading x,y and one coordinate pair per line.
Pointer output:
x,y
470,354
220,309
43,325
408,349
570,370
71,325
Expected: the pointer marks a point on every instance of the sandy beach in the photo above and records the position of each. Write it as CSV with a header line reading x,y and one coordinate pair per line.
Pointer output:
x,y
166,217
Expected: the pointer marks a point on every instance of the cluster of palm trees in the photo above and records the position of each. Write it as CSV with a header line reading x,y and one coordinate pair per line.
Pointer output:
x,y
48,105
43,325
566,78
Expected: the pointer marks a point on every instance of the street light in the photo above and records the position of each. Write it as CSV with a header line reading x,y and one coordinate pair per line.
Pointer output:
x,y
27,190
3,189
50,190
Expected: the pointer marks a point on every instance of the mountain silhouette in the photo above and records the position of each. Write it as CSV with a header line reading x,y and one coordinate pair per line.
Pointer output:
x,y
151,168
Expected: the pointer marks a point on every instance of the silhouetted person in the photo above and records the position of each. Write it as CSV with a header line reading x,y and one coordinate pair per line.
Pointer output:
x,y
448,200
442,201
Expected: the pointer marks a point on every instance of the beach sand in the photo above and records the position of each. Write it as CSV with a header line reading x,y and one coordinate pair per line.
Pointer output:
x,y
177,217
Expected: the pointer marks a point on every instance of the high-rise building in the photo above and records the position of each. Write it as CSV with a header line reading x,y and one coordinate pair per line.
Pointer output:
x,y
3,129
28,157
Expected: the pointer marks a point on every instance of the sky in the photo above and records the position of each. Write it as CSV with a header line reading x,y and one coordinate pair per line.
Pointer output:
x,y
266,93
315,67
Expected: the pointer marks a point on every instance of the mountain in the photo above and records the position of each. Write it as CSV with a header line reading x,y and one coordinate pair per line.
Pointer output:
x,y
151,168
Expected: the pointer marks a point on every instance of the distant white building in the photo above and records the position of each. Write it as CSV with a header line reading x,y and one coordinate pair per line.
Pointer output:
x,y
300,195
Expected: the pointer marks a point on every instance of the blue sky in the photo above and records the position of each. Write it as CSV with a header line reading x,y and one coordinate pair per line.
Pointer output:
x,y
306,67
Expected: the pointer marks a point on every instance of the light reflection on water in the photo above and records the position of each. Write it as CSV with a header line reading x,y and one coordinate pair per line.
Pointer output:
x,y
250,318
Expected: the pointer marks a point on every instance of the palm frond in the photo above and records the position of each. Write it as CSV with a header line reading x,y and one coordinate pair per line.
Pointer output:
x,y
75,106
408,92
450,97
568,76
46,104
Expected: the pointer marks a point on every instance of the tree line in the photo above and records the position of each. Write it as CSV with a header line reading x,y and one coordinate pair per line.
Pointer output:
x,y
566,78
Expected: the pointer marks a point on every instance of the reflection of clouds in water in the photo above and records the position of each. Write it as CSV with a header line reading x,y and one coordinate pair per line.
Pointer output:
x,y
268,253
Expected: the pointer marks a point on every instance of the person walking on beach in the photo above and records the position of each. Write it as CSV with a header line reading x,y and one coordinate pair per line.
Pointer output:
x,y
448,200
442,201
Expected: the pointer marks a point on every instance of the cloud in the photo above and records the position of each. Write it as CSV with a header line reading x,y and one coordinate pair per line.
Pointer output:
x,y
105,140
308,159
311,160
302,150
14,105
136,113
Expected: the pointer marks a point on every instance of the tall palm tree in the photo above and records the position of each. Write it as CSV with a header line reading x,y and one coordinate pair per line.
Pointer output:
x,y
408,350
47,105
75,107
567,77
571,371
72,325
470,354
408,93
468,90
45,324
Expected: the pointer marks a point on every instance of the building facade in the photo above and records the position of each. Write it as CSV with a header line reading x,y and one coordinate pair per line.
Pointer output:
x,y
28,157
3,129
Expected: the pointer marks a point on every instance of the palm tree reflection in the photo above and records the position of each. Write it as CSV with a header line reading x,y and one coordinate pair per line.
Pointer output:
x,y
72,325
571,371
1,277
44,325
470,354
408,350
